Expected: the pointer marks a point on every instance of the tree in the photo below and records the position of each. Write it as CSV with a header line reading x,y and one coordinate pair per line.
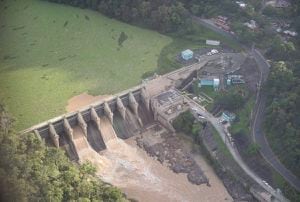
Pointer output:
x,y
282,114
253,149
230,100
30,171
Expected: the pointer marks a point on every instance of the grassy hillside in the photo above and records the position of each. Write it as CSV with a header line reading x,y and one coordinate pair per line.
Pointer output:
x,y
50,52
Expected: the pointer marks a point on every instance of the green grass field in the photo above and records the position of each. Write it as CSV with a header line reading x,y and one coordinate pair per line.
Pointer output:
x,y
51,52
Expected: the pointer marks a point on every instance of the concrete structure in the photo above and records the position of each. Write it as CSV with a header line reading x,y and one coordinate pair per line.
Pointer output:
x,y
68,129
53,135
65,123
167,106
82,123
121,107
145,98
133,103
108,112
235,79
187,54
95,117
212,42
210,81
227,116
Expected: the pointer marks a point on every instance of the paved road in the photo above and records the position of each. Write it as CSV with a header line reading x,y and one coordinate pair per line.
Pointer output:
x,y
257,132
233,150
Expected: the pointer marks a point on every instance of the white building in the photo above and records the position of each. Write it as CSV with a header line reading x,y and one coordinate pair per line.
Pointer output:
x,y
212,42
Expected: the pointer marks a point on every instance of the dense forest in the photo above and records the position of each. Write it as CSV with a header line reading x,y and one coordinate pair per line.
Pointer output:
x,y
30,171
282,115
283,92
161,15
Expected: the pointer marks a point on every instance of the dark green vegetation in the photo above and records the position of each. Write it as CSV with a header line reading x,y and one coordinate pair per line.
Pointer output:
x,y
231,100
282,122
285,187
171,17
282,119
242,125
30,171
187,124
162,15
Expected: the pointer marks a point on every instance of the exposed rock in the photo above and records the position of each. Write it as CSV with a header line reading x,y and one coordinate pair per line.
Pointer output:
x,y
170,153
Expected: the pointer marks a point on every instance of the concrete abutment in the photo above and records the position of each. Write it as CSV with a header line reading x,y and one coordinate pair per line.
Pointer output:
x,y
108,112
68,129
121,107
82,123
53,135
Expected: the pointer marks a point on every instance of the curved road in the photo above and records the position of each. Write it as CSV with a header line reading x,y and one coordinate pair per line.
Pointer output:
x,y
257,132
222,131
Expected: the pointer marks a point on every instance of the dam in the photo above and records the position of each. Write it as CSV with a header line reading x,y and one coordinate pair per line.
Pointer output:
x,y
119,117
102,133
90,130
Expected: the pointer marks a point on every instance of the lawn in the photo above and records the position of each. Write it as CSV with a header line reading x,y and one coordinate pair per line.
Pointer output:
x,y
51,52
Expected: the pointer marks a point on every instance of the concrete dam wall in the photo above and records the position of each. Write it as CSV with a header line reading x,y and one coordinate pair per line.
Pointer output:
x,y
85,133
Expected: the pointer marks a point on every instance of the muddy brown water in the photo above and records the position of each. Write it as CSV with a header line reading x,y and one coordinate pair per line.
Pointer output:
x,y
94,137
145,179
139,176
126,128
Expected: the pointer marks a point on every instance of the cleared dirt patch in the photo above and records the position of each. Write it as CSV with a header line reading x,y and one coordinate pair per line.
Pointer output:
x,y
82,100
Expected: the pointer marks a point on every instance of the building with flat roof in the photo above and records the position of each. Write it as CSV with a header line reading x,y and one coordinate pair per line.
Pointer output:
x,y
212,42
209,81
227,116
187,54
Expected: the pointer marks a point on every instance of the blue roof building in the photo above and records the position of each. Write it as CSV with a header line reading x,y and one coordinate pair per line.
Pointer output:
x,y
227,116
187,54
210,81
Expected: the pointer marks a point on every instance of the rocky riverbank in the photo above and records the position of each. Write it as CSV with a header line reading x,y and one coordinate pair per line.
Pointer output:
x,y
167,149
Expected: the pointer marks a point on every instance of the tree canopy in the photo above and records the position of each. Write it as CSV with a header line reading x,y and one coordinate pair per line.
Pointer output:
x,y
282,116
30,171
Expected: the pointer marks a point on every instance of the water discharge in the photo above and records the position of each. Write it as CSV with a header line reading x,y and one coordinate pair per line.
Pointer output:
x,y
119,161
141,177
86,152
